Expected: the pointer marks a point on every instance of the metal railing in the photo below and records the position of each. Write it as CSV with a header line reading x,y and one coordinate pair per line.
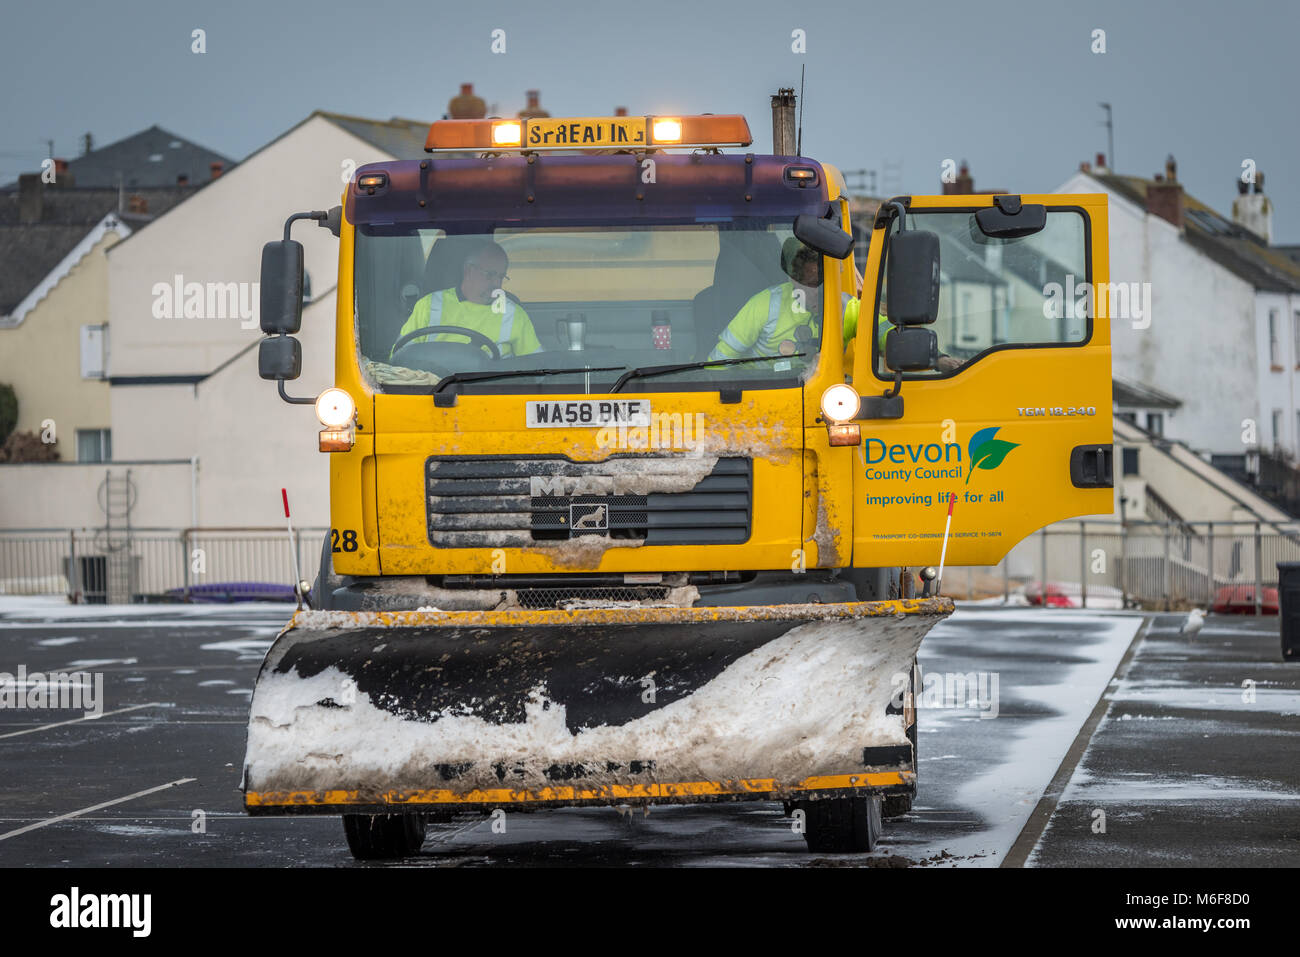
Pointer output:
x,y
1139,564
1147,564
154,564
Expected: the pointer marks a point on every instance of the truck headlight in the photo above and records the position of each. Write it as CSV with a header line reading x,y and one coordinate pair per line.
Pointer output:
x,y
335,409
840,403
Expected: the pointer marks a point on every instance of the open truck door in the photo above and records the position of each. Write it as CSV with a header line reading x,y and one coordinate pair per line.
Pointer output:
x,y
989,381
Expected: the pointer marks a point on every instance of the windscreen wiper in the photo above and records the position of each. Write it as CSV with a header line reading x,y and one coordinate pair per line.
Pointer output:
x,y
510,373
679,367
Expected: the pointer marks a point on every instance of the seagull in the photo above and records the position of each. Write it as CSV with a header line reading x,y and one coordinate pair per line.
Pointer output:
x,y
1193,624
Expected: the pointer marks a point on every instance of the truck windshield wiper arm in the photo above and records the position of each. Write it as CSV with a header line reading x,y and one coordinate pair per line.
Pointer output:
x,y
510,373
679,367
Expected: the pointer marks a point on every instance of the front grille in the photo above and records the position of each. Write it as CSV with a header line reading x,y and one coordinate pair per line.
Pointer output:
x,y
506,502
553,597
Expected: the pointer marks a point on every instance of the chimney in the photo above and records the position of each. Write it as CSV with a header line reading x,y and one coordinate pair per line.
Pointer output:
x,y
467,106
1101,163
620,111
216,168
31,198
534,107
62,174
137,205
182,179
1165,195
783,131
1252,208
965,184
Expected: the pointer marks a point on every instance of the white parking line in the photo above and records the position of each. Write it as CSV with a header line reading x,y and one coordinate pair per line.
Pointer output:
x,y
93,624
442,837
88,717
64,817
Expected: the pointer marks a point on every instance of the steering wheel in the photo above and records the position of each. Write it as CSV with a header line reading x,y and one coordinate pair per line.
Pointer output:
x,y
476,338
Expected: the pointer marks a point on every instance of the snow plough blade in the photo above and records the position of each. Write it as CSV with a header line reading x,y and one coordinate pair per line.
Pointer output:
x,y
382,712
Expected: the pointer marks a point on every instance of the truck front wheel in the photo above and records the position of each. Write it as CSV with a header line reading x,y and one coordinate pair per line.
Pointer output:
x,y
841,825
383,837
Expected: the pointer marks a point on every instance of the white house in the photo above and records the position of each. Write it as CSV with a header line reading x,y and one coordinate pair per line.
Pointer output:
x,y
183,308
1223,335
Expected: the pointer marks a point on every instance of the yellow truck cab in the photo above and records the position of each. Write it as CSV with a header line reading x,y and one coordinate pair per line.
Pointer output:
x,y
549,562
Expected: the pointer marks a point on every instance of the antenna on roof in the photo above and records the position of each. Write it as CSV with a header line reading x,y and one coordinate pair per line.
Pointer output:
x,y
798,143
1110,138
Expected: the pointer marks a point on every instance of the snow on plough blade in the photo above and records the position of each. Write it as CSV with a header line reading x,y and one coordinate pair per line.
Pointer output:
x,y
394,711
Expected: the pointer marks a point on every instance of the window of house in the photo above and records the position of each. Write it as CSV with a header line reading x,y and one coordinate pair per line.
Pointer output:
x,y
1273,350
1130,417
1295,323
1130,457
1156,423
94,445
1277,426
94,351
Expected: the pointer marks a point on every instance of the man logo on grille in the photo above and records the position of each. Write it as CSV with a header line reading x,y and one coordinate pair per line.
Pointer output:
x,y
588,517
542,486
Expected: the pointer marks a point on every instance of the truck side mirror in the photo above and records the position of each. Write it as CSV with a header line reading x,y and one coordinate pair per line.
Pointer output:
x,y
279,357
913,293
1008,220
823,235
911,349
281,304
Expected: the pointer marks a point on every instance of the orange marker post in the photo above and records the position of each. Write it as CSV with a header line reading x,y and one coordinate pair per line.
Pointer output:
x,y
943,554
293,549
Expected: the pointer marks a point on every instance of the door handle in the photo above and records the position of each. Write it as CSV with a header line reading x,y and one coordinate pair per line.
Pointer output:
x,y
1092,466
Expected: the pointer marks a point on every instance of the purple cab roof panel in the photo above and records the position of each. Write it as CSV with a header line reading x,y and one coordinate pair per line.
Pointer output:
x,y
581,189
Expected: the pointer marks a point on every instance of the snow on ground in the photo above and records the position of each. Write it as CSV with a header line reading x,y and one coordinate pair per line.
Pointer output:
x,y
55,609
1176,694
1005,794
246,649
1180,789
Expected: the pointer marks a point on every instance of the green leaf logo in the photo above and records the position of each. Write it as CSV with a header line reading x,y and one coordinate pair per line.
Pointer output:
x,y
987,452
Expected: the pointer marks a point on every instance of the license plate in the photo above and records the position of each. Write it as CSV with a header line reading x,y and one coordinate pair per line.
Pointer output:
x,y
591,131
588,413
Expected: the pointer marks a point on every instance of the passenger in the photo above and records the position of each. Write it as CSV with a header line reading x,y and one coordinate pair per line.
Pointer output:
x,y
770,323
479,305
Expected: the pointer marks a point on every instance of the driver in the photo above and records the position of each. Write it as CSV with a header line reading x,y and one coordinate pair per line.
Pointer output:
x,y
777,321
477,304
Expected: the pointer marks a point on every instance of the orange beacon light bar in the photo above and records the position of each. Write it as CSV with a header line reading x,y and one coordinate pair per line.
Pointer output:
x,y
588,132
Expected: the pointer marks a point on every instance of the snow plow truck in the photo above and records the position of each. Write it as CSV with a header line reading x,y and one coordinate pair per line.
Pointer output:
x,y
636,458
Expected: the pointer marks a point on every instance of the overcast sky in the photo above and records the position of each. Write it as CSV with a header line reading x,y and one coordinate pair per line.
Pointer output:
x,y
1010,86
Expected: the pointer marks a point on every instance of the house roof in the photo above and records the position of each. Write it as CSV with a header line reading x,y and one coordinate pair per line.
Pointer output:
x,y
403,139
152,157
29,251
1134,395
1231,245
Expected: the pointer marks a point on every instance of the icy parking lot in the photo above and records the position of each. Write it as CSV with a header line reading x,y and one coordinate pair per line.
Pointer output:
x,y
1046,738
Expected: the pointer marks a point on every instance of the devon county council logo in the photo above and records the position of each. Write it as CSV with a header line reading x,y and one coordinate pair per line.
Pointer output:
x,y
986,452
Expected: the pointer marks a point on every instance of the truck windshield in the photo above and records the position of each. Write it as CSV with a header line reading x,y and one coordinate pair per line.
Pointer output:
x,y
464,298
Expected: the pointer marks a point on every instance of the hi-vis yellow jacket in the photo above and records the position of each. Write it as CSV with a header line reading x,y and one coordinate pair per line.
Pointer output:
x,y
510,329
769,318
